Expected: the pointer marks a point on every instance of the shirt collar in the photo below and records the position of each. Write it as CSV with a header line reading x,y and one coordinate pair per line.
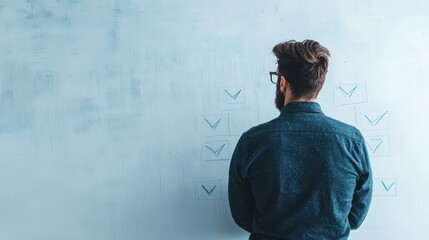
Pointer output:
x,y
298,107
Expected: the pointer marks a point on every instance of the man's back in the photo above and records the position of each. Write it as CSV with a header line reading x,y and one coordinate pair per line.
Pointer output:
x,y
302,175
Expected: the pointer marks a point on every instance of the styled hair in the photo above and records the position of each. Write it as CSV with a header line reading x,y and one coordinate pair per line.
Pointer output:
x,y
304,65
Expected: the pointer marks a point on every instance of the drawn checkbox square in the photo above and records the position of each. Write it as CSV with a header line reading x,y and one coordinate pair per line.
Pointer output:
x,y
374,118
378,146
385,187
215,150
345,94
209,190
233,95
211,125
232,98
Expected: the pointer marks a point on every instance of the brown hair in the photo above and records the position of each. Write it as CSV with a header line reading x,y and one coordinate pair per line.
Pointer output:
x,y
304,65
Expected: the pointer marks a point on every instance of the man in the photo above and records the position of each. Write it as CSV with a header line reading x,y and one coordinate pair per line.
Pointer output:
x,y
301,175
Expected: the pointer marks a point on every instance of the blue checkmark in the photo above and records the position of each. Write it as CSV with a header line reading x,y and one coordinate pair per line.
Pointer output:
x,y
209,192
233,96
213,126
215,152
387,188
377,120
374,147
348,93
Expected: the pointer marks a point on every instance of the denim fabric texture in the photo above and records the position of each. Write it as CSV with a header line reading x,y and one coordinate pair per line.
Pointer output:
x,y
302,175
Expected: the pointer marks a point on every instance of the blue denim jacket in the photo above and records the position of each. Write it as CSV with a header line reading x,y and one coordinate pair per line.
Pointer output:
x,y
302,175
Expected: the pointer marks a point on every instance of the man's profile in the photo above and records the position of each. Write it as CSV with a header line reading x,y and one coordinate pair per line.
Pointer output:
x,y
302,175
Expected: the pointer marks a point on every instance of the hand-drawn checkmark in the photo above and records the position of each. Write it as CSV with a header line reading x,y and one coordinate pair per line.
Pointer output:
x,y
215,152
233,96
377,120
207,191
348,93
213,126
374,147
385,187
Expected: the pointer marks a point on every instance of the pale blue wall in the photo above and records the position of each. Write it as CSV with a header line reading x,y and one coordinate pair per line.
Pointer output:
x,y
103,107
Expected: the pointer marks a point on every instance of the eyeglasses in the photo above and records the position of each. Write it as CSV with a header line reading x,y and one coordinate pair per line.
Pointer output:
x,y
271,77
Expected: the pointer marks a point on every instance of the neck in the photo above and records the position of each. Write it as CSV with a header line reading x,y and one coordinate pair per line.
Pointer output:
x,y
301,99
290,98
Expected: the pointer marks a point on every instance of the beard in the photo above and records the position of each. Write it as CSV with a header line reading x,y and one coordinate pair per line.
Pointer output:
x,y
280,97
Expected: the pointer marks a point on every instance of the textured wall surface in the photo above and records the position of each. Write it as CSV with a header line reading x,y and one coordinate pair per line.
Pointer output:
x,y
118,118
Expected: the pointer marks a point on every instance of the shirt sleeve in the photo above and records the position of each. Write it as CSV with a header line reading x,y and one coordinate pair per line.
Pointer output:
x,y
239,190
363,192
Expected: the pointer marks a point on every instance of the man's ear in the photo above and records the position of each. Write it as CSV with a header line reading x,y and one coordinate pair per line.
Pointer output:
x,y
283,84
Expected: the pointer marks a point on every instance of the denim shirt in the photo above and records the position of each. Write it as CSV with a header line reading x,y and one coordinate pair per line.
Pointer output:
x,y
302,175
